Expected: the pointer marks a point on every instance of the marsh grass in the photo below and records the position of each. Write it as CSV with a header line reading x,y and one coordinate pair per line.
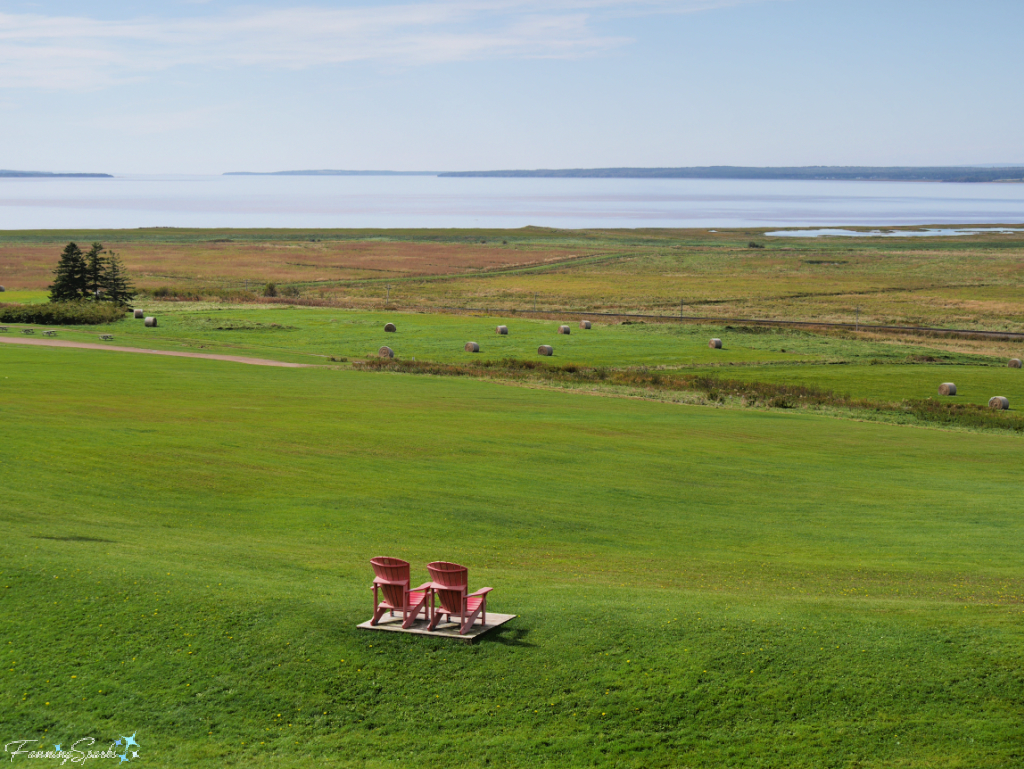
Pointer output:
x,y
912,281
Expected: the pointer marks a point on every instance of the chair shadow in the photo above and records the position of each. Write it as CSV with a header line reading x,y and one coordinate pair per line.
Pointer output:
x,y
508,636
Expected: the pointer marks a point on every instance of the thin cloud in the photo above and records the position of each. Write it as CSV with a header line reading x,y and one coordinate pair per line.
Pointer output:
x,y
62,52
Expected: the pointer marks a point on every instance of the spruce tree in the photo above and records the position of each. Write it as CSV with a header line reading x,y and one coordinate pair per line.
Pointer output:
x,y
95,270
116,284
69,278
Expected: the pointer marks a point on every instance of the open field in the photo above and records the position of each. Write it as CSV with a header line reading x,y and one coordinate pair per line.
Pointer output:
x,y
876,378
704,576
315,334
697,587
964,282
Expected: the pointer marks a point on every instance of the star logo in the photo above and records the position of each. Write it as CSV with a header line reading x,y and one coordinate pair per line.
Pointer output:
x,y
123,757
57,748
117,742
135,754
129,741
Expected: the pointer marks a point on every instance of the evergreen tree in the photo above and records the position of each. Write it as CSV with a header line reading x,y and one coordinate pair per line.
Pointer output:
x,y
95,270
69,278
116,283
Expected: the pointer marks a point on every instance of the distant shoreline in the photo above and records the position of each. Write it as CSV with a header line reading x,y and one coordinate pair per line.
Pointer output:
x,y
796,173
956,174
962,174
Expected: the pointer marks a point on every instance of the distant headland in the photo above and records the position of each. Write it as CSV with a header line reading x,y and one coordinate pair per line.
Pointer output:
x,y
47,175
841,173
983,173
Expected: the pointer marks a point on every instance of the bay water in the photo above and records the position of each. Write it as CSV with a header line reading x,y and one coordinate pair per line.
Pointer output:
x,y
429,201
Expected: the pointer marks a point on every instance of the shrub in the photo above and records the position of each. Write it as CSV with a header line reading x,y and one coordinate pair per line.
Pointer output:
x,y
270,290
78,313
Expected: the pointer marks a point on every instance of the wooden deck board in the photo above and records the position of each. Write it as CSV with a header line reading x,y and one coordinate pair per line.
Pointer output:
x,y
443,630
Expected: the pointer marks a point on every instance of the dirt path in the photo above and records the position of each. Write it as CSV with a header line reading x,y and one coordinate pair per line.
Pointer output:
x,y
91,346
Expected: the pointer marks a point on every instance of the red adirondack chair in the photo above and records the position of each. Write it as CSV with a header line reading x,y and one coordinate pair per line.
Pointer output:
x,y
393,581
450,583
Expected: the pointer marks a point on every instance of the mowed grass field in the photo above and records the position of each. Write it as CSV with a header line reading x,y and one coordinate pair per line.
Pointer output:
x,y
314,334
186,546
845,363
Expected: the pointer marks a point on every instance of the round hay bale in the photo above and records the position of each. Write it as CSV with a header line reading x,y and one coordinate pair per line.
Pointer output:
x,y
545,349
1014,363
150,322
472,347
715,344
390,327
563,329
947,388
999,402
140,314
503,330
2,289
385,352
584,324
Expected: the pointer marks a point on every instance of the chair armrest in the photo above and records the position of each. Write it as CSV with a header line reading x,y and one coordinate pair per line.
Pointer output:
x,y
446,588
481,591
424,586
382,581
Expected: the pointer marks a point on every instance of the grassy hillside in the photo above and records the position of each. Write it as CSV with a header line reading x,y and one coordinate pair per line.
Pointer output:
x,y
186,547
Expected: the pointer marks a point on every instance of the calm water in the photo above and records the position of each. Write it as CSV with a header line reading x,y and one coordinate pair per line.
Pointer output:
x,y
930,232
427,201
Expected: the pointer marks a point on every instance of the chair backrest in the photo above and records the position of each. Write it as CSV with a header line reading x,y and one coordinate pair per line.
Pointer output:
x,y
451,583
393,570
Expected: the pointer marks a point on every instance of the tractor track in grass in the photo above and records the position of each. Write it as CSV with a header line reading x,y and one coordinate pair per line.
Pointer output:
x,y
172,353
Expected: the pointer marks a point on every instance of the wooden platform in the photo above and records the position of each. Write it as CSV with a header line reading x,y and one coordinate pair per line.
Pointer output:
x,y
443,629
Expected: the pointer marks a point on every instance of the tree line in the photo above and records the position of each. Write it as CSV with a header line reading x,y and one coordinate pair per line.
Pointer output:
x,y
96,275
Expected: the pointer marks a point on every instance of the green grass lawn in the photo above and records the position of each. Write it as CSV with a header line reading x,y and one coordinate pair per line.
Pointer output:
x,y
186,548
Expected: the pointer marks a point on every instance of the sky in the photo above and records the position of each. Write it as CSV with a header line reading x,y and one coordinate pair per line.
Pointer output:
x,y
194,87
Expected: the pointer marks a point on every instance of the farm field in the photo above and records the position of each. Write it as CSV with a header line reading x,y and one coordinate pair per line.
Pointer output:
x,y
695,587
841,362
314,334
969,282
